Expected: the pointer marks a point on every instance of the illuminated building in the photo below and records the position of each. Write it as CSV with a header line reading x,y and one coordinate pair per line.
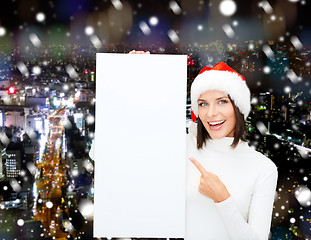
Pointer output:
x,y
13,160
13,164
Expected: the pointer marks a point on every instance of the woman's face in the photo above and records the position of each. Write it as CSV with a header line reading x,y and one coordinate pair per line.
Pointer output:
x,y
217,114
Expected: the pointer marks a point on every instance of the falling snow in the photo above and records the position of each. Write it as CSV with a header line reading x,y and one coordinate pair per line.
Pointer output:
x,y
89,30
153,21
173,36
23,69
268,51
144,28
266,6
296,42
20,222
228,30
117,4
266,69
48,52
175,7
36,70
2,31
40,17
227,7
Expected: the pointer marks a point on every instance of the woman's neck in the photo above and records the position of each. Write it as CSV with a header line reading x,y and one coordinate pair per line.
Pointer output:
x,y
224,144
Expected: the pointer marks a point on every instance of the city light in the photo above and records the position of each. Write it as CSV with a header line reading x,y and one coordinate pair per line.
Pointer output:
x,y
11,90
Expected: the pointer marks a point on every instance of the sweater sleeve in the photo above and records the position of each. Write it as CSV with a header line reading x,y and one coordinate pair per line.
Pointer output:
x,y
260,211
92,150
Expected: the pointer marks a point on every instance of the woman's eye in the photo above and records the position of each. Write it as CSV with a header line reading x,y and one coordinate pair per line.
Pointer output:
x,y
223,101
202,104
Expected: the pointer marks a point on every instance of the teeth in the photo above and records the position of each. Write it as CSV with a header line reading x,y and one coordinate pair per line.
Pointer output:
x,y
215,123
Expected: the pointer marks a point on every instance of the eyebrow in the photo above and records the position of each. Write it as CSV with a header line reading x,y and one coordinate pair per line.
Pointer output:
x,y
216,98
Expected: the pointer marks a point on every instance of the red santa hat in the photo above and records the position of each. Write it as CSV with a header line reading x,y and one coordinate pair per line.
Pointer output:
x,y
223,78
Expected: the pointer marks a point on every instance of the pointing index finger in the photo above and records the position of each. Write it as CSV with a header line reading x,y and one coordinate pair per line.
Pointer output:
x,y
198,166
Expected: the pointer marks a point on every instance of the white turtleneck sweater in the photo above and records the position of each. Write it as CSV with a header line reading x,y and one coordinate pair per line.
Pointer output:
x,y
250,178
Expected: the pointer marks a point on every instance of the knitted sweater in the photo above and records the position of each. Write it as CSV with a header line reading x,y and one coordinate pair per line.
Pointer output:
x,y
250,178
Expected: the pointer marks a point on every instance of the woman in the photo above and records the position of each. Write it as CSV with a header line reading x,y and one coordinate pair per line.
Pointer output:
x,y
230,186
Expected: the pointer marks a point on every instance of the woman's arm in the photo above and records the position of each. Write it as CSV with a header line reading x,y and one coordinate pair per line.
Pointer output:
x,y
260,212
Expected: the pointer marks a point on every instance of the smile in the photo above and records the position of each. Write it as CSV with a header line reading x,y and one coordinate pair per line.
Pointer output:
x,y
216,123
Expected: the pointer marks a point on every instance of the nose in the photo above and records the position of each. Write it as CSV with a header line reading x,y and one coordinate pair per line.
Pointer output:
x,y
212,110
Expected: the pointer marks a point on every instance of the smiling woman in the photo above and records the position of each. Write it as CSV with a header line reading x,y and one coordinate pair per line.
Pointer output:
x,y
217,114
231,124
230,187
236,183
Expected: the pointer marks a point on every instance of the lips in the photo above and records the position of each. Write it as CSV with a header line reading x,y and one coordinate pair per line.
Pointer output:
x,y
216,125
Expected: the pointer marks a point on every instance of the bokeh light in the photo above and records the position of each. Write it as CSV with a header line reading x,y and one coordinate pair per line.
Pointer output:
x,y
89,30
2,31
20,222
36,70
227,7
87,209
287,89
266,69
49,204
200,27
153,21
40,17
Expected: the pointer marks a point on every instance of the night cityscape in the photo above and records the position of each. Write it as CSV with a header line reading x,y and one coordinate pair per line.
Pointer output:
x,y
48,84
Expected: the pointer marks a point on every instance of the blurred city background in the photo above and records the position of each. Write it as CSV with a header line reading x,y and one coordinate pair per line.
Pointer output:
x,y
47,97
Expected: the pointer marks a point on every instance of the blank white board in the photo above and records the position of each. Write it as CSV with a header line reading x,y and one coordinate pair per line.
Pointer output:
x,y
140,152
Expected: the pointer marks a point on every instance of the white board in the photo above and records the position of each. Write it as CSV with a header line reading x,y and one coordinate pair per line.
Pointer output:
x,y
140,153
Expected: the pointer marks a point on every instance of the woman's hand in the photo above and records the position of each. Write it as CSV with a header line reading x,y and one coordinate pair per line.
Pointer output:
x,y
210,185
138,52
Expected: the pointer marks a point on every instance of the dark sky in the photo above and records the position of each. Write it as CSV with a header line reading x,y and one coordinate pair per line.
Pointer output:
x,y
14,13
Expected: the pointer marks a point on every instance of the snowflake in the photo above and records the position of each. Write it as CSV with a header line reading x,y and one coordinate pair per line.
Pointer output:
x,y
2,31
36,70
153,21
175,7
227,7
144,28
40,17
20,222
173,36
35,40
89,30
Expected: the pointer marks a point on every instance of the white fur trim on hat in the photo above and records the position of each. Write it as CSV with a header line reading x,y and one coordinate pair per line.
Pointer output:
x,y
228,82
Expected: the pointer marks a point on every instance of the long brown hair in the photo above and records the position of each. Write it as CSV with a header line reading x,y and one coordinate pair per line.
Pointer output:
x,y
239,129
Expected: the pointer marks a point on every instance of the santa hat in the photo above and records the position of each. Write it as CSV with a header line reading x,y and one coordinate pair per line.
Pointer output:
x,y
223,78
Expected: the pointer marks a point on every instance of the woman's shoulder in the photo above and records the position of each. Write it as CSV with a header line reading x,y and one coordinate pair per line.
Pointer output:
x,y
264,161
191,140
192,133
267,171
